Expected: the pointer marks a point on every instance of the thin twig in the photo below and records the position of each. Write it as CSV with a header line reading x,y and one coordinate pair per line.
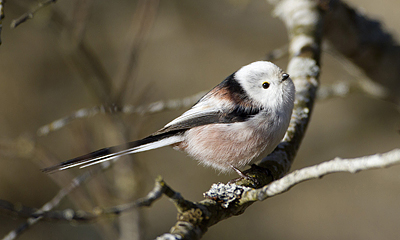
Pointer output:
x,y
28,15
80,19
155,107
76,182
338,89
83,59
343,88
362,82
145,15
160,188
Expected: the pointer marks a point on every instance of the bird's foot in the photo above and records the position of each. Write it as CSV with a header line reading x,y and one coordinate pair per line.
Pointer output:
x,y
250,179
243,176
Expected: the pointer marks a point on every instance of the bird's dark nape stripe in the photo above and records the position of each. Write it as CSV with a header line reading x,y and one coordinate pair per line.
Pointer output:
x,y
245,107
110,150
233,85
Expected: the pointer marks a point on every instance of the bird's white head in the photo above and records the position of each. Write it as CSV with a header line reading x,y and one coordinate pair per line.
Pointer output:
x,y
266,84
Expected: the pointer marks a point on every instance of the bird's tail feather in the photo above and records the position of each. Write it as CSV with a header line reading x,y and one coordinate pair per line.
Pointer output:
x,y
106,154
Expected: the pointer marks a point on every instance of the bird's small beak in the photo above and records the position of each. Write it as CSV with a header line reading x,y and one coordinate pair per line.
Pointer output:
x,y
285,76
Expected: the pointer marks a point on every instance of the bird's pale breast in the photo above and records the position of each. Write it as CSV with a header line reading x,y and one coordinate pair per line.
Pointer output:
x,y
236,144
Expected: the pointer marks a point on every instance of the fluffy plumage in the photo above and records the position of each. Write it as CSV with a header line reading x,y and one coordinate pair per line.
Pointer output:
x,y
244,115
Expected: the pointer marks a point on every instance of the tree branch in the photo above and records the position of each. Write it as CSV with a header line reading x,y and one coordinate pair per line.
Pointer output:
x,y
155,107
81,57
354,165
233,197
29,15
364,42
160,188
76,182
145,15
304,23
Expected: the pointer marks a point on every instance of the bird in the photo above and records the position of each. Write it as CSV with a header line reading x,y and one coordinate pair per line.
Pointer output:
x,y
245,115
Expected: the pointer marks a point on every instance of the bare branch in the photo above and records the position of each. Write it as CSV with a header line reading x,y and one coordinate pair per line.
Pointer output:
x,y
355,165
80,18
82,58
160,188
365,43
361,82
305,32
93,73
76,182
338,89
155,107
314,172
145,15
232,197
304,22
28,15
343,88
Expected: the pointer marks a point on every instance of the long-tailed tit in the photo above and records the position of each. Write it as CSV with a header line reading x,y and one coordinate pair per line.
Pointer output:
x,y
246,114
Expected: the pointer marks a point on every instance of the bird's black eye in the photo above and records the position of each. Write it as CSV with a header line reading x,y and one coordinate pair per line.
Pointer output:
x,y
285,76
265,85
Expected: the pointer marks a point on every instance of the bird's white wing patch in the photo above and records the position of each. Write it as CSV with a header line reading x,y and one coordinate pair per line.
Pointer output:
x,y
199,110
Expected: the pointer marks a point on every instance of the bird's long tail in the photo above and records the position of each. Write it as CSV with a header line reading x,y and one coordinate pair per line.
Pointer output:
x,y
106,154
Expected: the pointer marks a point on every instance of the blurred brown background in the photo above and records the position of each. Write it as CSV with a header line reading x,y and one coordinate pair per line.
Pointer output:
x,y
191,47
